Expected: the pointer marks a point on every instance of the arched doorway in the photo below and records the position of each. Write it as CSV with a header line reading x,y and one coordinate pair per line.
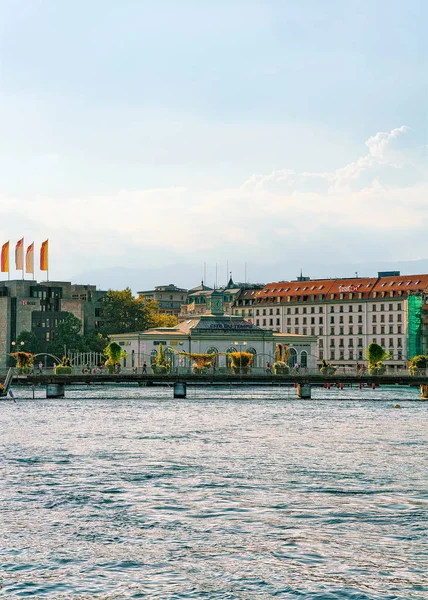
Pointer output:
x,y
304,359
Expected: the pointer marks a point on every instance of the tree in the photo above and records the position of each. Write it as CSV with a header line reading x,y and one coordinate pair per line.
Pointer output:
x,y
94,341
67,336
31,343
122,313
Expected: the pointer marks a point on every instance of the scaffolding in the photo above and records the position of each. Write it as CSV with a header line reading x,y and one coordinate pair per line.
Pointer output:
x,y
414,326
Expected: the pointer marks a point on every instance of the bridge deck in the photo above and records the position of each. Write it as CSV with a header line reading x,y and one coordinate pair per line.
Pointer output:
x,y
303,378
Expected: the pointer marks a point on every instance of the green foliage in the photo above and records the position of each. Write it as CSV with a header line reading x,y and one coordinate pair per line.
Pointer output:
x,y
375,355
114,354
417,363
62,370
95,341
280,368
160,364
201,361
31,344
241,361
67,335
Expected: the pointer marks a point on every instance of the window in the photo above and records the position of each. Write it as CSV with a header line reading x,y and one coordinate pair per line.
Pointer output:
x,y
399,343
342,355
331,354
341,343
373,318
351,319
391,318
341,308
382,307
304,310
374,307
321,320
312,330
277,311
360,355
296,321
288,321
296,310
374,329
340,319
321,331
360,330
321,343
382,342
277,322
305,331
351,331
296,330
391,342
360,318
382,329
271,311
391,329
351,308
351,355
304,320
264,321
320,309
331,330
399,318
360,343
312,320
288,311
399,329
331,343
351,343
270,321
312,309
331,309
341,331
331,320
264,311
360,308
382,318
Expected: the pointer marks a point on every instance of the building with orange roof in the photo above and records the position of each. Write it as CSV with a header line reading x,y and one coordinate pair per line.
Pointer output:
x,y
348,314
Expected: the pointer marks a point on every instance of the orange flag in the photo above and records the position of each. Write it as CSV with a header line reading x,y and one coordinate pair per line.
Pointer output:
x,y
5,258
29,259
19,255
44,256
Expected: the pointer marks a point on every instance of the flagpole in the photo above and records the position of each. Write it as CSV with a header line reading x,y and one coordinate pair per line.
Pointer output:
x,y
22,258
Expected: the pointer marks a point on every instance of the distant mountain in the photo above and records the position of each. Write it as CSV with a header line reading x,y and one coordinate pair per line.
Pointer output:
x,y
190,275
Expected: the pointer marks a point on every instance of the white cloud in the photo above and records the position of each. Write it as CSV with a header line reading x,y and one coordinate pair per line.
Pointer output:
x,y
374,204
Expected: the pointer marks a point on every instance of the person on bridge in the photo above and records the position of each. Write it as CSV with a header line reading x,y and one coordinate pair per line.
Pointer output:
x,y
40,368
144,368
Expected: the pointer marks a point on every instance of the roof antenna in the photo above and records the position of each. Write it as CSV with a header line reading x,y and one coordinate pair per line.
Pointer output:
x,y
356,274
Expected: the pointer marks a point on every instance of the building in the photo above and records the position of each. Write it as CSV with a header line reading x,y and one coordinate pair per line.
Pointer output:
x,y
169,298
214,333
39,307
347,315
199,297
243,305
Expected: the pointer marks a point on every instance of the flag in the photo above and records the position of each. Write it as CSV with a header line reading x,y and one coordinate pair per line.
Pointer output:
x,y
29,259
19,259
5,258
44,256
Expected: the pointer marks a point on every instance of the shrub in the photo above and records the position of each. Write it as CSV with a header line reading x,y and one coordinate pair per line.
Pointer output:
x,y
281,368
327,368
62,370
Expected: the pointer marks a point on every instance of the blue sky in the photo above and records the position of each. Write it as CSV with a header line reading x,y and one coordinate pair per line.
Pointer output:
x,y
135,125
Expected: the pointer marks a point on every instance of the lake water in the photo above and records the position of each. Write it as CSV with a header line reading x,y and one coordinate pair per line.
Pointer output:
x,y
117,493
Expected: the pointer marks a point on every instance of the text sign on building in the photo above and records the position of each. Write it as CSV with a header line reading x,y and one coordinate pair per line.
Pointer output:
x,y
29,302
232,325
348,288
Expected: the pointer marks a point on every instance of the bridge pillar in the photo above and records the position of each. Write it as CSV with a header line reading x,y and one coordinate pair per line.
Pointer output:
x,y
180,389
424,392
55,390
303,390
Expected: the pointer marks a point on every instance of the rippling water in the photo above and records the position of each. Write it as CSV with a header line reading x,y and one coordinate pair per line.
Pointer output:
x,y
231,494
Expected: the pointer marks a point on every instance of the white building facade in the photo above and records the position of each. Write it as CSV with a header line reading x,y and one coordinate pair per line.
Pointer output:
x,y
347,315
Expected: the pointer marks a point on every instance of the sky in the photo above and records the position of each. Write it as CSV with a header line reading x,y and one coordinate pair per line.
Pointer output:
x,y
146,134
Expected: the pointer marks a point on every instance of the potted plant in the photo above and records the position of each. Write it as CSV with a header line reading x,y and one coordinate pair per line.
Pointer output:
x,y
241,362
282,354
160,366
114,354
417,364
64,368
327,368
375,355
24,361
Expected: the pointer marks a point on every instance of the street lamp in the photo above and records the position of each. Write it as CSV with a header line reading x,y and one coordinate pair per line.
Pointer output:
x,y
18,344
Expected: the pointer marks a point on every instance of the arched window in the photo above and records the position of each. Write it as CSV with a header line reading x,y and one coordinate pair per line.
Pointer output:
x,y
304,359
293,357
213,350
252,351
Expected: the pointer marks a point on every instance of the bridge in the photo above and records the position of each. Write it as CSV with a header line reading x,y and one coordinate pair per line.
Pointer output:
x,y
303,380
